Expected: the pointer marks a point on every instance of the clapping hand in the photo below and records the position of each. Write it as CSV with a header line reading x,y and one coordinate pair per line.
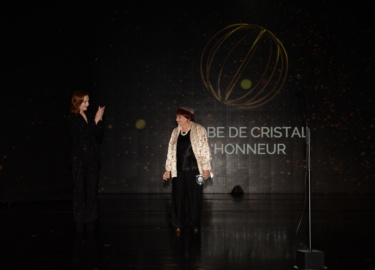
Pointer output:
x,y
99,114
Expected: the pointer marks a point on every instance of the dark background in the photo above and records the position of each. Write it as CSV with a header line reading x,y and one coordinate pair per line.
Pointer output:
x,y
142,61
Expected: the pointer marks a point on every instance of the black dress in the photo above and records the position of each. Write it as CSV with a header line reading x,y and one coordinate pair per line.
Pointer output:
x,y
85,169
185,185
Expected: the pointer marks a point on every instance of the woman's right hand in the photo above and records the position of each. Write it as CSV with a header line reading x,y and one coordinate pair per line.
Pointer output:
x,y
166,175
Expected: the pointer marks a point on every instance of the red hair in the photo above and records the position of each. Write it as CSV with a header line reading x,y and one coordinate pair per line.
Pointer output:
x,y
77,99
186,112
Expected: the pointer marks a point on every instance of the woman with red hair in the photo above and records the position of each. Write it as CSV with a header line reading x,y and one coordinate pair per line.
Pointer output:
x,y
188,159
85,132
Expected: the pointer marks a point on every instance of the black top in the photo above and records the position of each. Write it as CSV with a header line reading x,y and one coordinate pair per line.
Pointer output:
x,y
85,138
186,160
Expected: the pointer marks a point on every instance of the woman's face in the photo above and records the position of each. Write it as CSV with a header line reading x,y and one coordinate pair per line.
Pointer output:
x,y
84,104
182,121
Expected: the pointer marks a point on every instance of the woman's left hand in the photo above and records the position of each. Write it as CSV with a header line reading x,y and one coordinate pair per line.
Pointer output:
x,y
99,114
206,174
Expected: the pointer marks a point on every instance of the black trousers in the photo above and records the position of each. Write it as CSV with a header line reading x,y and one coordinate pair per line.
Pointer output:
x,y
186,190
85,193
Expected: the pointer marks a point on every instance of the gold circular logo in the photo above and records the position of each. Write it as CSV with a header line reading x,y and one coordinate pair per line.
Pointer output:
x,y
244,65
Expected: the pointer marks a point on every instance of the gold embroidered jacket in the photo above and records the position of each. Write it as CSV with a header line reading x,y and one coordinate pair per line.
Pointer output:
x,y
199,143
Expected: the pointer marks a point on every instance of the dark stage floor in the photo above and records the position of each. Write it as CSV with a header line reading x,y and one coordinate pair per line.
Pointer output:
x,y
256,232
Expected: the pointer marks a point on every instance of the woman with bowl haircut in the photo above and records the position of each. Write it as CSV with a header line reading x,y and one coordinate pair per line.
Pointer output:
x,y
188,156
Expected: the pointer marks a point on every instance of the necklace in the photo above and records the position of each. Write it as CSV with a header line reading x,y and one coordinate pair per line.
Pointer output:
x,y
184,133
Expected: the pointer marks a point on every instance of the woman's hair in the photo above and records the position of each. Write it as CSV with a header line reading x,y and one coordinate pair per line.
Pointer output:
x,y
186,112
77,99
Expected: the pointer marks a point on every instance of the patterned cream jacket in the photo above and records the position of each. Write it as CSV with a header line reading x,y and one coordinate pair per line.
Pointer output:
x,y
199,143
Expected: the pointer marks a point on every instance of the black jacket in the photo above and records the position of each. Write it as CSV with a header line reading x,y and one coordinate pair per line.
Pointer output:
x,y
85,138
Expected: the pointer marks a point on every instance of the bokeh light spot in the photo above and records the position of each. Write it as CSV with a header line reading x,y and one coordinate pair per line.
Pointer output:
x,y
140,124
245,84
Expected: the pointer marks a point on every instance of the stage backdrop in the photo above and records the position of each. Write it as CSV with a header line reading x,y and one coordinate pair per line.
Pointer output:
x,y
268,81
